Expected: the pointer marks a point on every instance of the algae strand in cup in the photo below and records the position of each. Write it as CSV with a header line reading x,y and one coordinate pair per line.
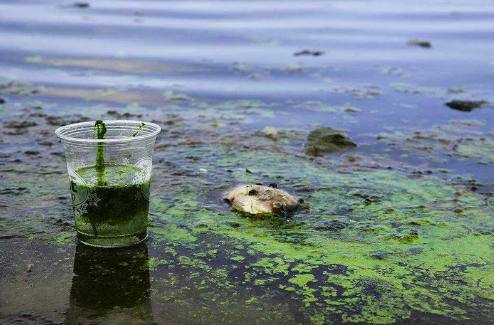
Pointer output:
x,y
100,129
139,128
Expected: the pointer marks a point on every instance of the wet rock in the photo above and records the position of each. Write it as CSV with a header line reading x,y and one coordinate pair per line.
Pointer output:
x,y
261,200
123,115
65,120
309,52
380,255
466,105
420,43
81,5
15,88
14,190
2,101
45,143
326,140
27,313
331,225
19,125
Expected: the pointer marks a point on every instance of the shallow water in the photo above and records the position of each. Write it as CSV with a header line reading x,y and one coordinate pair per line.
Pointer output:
x,y
398,230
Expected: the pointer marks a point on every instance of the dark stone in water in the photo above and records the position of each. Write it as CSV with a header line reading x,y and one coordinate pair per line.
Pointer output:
x,y
81,4
2,101
309,52
19,125
466,105
27,313
64,120
14,191
122,115
331,225
380,255
420,43
327,140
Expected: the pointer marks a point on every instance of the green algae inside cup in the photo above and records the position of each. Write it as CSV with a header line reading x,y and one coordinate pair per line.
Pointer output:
x,y
110,180
113,211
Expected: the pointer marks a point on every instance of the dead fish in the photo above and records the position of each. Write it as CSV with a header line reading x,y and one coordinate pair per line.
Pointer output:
x,y
261,200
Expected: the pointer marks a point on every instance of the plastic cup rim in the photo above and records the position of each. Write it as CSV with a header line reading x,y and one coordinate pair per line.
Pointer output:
x,y
60,132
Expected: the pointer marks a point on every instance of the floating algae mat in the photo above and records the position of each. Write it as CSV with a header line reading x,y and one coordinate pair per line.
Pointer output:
x,y
375,246
118,206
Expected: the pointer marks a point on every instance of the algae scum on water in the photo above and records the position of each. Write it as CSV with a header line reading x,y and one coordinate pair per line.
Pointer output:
x,y
374,243
375,246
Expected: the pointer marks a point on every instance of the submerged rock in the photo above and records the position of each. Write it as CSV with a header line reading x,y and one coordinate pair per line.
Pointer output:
x,y
420,43
326,140
331,225
261,200
309,52
81,5
19,125
466,105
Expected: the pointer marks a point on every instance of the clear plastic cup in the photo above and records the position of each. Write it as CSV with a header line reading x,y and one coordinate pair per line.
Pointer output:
x,y
109,180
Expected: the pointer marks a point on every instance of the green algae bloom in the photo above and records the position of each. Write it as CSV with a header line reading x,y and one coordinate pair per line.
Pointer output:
x,y
404,248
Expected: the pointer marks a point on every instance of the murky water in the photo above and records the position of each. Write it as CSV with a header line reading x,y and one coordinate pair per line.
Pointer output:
x,y
398,230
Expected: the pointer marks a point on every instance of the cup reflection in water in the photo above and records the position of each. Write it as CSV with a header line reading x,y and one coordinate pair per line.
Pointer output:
x,y
110,286
109,165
